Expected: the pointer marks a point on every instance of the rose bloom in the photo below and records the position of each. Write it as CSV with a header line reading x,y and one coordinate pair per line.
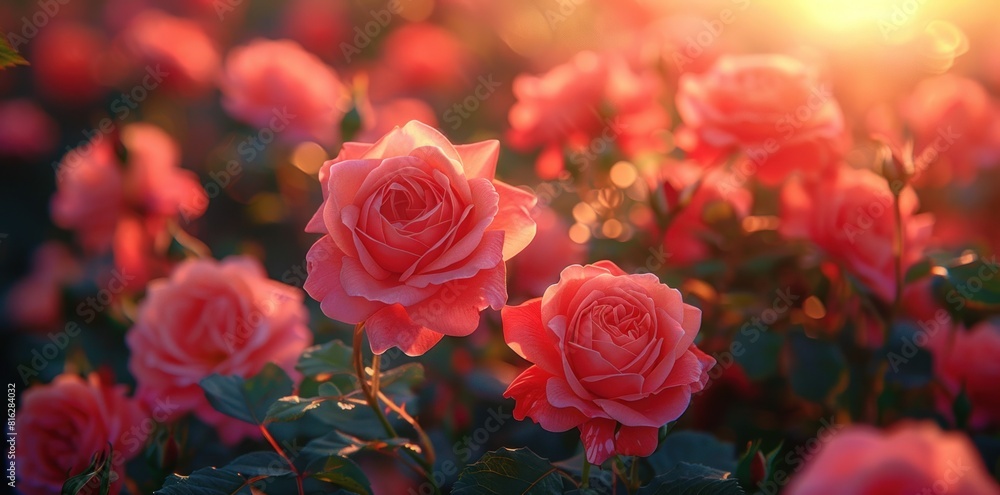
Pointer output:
x,y
36,300
967,358
613,354
379,118
955,128
539,265
319,25
66,423
562,110
419,59
180,46
26,131
721,194
772,108
416,232
910,458
65,62
850,217
213,317
94,190
279,85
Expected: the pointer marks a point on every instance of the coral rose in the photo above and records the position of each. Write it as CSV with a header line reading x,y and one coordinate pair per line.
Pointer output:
x,y
187,54
66,423
690,237
911,458
967,359
850,217
561,110
416,232
213,317
954,125
94,189
613,354
279,85
771,108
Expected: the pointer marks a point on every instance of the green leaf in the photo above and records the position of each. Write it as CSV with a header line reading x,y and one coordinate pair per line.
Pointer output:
x,y
291,408
329,363
971,286
918,270
328,358
100,469
9,57
408,375
342,472
247,399
817,367
510,472
692,447
209,481
692,479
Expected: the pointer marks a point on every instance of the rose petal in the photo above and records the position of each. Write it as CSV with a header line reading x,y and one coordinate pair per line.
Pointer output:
x,y
598,436
323,266
392,327
528,337
480,159
636,440
528,392
514,218
455,308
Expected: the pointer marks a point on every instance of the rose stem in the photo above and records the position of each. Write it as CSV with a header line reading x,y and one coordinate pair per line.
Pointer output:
x,y
585,481
371,395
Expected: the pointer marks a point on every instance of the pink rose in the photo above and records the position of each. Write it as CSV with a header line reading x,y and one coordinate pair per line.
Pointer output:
x,y
279,85
416,232
771,108
419,58
65,423
689,237
561,110
319,25
968,358
65,62
213,317
179,47
910,458
94,190
955,129
613,354
26,131
379,118
850,217
36,301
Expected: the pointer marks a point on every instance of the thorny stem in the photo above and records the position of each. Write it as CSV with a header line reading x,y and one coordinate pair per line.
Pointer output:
x,y
281,452
372,394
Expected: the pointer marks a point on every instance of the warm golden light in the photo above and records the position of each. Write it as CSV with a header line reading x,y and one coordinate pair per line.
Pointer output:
x,y
623,174
584,213
579,233
612,228
309,157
